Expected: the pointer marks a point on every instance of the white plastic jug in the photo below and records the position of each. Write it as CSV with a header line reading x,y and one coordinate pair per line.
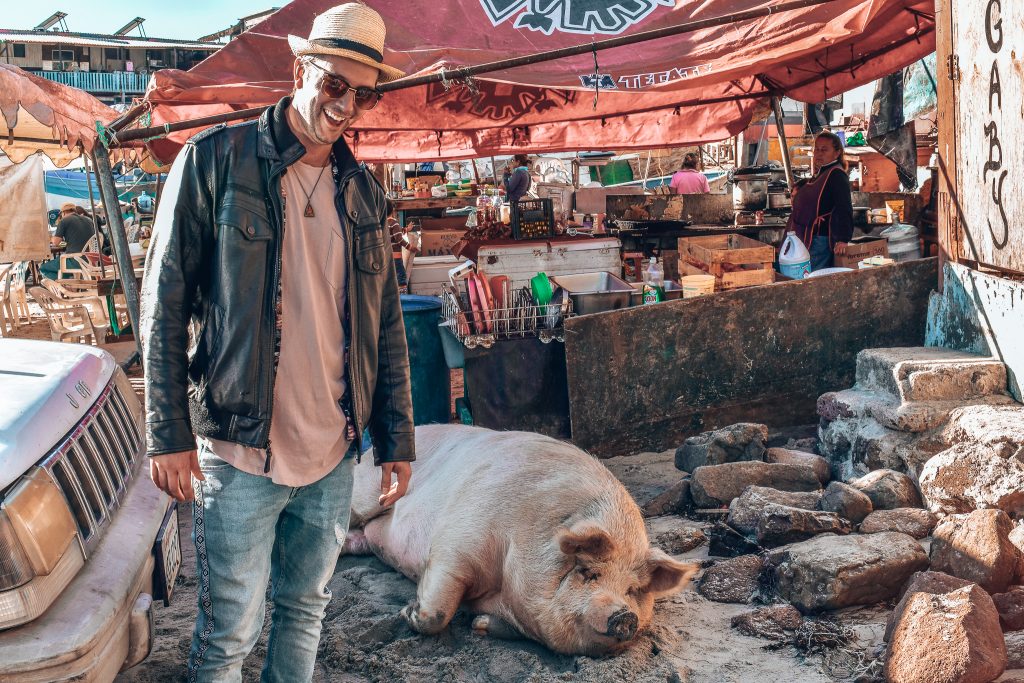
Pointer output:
x,y
794,259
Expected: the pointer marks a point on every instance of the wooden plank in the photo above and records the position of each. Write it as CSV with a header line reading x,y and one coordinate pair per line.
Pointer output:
x,y
759,354
434,203
990,158
949,217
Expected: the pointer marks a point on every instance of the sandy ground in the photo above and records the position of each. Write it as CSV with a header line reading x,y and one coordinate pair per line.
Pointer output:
x,y
364,640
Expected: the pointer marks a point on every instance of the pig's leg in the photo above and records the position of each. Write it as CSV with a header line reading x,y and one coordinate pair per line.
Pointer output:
x,y
437,597
494,626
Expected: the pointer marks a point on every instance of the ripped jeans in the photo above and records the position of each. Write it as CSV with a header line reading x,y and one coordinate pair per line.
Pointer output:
x,y
248,530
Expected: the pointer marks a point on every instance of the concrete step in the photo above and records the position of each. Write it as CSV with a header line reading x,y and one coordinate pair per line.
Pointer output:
x,y
912,416
921,373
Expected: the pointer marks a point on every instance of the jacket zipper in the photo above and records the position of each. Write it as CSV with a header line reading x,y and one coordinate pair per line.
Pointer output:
x,y
350,298
271,370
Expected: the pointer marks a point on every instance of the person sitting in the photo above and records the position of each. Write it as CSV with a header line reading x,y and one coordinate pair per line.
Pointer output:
x,y
75,230
688,179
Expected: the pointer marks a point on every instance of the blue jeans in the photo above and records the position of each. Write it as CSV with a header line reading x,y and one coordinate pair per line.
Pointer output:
x,y
248,530
821,253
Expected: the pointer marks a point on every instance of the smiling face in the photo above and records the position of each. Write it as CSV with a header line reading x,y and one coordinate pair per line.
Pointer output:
x,y
318,119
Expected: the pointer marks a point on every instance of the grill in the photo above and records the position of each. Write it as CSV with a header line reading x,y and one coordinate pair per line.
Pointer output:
x,y
95,462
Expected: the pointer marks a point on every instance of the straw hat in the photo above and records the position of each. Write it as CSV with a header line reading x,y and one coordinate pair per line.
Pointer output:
x,y
352,30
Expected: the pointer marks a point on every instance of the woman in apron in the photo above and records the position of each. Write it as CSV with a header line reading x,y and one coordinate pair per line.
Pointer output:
x,y
822,215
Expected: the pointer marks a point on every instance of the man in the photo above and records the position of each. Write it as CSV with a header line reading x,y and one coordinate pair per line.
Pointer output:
x,y
74,228
270,245
516,179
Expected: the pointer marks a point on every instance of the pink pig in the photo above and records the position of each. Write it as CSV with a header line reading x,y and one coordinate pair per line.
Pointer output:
x,y
537,537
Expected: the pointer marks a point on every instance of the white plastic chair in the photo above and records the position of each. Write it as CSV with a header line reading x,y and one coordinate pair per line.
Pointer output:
x,y
97,307
68,321
12,295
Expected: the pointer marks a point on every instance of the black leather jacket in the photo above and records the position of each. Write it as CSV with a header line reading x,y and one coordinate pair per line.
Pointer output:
x,y
214,264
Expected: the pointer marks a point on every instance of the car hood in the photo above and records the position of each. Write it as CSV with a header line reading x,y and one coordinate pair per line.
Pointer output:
x,y
45,390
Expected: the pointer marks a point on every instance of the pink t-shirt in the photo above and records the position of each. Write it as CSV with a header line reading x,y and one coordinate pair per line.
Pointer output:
x,y
689,181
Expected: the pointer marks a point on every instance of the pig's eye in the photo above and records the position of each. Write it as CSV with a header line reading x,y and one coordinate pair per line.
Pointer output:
x,y
588,574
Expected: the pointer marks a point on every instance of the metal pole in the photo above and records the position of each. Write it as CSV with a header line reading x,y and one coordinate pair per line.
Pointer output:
x,y
95,218
108,192
787,165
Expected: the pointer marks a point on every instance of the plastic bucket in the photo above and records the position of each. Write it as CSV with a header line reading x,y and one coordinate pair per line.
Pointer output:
x,y
454,351
696,285
431,383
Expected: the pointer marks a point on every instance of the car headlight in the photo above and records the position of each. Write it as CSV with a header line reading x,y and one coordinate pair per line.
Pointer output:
x,y
38,553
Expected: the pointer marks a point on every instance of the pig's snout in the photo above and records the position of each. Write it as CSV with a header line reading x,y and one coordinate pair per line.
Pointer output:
x,y
622,625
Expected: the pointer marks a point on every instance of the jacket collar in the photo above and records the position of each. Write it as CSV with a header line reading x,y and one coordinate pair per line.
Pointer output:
x,y
279,144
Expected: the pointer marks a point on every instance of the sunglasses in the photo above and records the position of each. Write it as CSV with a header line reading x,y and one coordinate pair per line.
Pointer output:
x,y
335,87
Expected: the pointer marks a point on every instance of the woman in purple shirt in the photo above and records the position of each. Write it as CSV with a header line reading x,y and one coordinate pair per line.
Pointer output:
x,y
688,180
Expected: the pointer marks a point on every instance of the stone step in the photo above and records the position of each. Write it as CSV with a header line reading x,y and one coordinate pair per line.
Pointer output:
x,y
921,373
902,416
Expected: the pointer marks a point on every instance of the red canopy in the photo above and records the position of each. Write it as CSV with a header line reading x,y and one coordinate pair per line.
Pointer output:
x,y
698,86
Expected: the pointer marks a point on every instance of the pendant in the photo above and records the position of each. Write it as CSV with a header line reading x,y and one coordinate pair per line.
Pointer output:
x,y
308,213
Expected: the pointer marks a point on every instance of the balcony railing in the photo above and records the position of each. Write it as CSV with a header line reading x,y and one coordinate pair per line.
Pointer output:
x,y
100,82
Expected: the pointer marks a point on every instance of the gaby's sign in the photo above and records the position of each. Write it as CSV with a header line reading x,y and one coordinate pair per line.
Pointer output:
x,y
586,17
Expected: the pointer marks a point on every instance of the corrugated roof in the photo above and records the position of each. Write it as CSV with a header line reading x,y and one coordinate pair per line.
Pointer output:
x,y
101,40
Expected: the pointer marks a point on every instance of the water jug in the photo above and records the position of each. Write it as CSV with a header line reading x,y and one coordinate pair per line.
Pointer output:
x,y
794,259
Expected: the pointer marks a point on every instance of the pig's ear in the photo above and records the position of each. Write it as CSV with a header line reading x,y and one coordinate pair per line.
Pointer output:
x,y
586,541
668,575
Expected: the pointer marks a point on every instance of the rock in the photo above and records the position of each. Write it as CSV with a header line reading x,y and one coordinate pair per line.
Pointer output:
x,y
777,622
829,571
1017,538
724,541
745,511
735,580
845,501
1000,427
856,446
910,521
935,583
947,638
1014,650
669,502
780,524
680,540
735,443
790,457
972,476
976,547
888,490
1010,606
716,485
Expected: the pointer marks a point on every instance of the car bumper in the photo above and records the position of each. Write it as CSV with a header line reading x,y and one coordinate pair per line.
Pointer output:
x,y
97,623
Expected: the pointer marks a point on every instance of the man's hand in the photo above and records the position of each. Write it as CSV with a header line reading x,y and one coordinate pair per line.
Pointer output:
x,y
840,247
392,491
172,473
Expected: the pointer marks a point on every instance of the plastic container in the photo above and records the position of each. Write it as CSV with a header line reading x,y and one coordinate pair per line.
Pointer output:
x,y
829,271
697,285
431,383
904,242
654,283
794,259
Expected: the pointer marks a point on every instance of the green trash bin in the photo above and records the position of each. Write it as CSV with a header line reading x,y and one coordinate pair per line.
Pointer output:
x,y
431,384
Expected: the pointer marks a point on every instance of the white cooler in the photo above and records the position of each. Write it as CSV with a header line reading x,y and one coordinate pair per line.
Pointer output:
x,y
520,262
429,273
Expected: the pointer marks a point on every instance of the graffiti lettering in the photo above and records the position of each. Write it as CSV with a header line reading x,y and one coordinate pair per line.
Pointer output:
x,y
994,36
994,25
995,88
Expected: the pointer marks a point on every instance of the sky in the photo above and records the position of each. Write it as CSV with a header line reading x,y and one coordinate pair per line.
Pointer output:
x,y
186,19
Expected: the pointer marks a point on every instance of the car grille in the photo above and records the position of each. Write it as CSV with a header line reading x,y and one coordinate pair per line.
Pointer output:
x,y
95,462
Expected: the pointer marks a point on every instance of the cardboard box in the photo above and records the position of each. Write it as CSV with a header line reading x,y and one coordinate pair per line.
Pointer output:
x,y
440,242
860,249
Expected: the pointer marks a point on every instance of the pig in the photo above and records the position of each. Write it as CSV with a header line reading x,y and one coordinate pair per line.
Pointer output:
x,y
533,535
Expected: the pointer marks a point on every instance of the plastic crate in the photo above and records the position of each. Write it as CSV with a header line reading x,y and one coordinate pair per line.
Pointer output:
x,y
533,218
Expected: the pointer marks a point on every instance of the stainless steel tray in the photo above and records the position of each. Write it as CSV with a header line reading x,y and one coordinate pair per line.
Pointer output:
x,y
595,292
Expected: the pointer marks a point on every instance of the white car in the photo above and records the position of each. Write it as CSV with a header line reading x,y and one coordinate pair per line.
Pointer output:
x,y
87,542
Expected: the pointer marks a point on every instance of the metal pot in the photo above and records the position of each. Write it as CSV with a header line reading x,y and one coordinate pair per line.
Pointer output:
x,y
779,200
750,193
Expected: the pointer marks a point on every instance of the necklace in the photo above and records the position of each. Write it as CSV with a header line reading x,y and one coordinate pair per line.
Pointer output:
x,y
308,212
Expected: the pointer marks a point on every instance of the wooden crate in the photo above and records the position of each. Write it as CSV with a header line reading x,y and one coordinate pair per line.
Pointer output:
x,y
735,261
